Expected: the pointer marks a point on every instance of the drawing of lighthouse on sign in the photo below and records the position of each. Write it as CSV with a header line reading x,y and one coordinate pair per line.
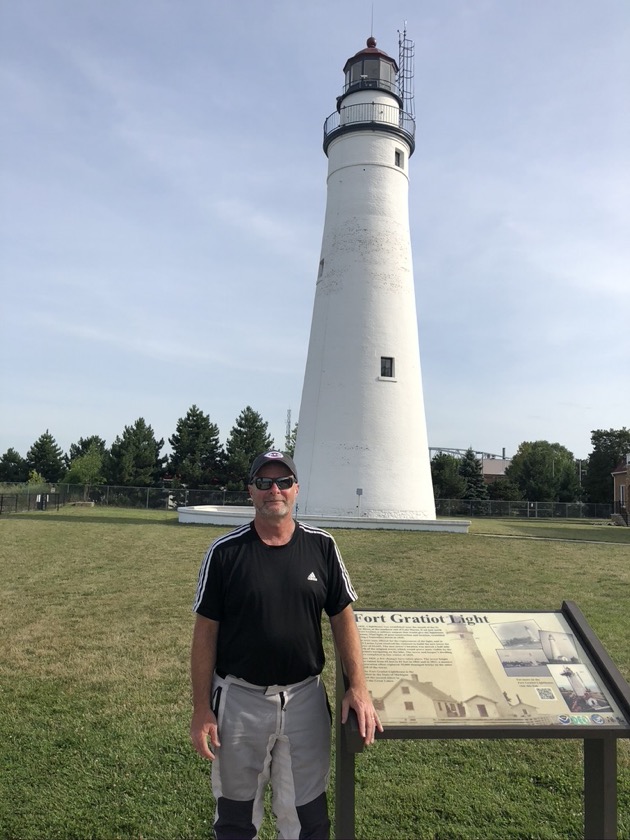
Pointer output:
x,y
475,669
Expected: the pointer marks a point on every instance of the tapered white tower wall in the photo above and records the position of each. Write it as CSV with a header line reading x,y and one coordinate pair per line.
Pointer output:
x,y
362,444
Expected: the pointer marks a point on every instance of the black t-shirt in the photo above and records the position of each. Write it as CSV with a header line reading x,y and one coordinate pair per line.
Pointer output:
x,y
269,602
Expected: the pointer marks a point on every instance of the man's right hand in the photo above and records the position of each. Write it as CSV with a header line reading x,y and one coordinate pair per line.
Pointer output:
x,y
203,727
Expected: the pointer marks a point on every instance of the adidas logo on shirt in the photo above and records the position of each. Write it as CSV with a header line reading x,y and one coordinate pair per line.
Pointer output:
x,y
311,576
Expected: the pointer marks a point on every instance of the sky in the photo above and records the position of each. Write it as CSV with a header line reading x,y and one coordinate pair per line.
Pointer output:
x,y
162,198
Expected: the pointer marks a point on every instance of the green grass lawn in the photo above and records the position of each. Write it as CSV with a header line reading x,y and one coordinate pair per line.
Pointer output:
x,y
95,626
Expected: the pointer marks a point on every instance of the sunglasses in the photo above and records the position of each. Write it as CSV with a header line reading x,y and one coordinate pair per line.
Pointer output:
x,y
281,483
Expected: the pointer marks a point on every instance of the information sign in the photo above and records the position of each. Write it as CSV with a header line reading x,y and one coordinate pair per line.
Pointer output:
x,y
462,669
451,674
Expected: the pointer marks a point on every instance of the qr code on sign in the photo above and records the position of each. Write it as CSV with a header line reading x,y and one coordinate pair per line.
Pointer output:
x,y
546,694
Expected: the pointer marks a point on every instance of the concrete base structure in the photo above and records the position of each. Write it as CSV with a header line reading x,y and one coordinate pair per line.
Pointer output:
x,y
235,516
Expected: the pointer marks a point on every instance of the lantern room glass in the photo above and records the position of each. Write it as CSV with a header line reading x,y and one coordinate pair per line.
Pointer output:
x,y
371,72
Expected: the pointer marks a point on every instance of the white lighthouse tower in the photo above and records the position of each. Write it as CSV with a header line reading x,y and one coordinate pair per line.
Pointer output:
x,y
362,446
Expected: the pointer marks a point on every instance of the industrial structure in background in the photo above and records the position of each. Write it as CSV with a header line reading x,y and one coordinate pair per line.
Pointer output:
x,y
361,443
493,466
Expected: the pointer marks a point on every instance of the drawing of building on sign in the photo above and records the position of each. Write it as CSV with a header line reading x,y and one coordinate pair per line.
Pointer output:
x,y
468,691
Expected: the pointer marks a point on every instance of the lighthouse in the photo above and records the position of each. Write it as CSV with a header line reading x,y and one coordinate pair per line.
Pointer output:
x,y
362,447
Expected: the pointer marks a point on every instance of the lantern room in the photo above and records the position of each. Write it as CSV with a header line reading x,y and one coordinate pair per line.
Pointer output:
x,y
371,68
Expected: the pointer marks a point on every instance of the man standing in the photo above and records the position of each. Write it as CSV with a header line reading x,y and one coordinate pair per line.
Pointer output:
x,y
260,707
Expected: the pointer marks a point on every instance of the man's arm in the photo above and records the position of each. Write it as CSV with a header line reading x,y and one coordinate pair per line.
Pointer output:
x,y
357,696
203,657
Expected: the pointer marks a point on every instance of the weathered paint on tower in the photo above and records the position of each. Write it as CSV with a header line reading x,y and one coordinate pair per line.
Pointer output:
x,y
362,444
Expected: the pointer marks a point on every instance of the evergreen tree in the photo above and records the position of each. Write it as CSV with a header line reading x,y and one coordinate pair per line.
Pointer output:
x,y
609,448
197,454
544,472
504,490
471,470
13,467
447,482
134,459
248,438
46,458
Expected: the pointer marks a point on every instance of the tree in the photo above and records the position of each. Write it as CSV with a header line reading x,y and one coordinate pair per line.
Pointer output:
x,y
83,446
248,438
471,470
36,479
609,447
134,459
197,454
46,458
544,472
504,490
13,467
87,468
447,482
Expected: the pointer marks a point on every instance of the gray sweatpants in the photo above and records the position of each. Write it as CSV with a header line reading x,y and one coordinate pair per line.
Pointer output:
x,y
277,734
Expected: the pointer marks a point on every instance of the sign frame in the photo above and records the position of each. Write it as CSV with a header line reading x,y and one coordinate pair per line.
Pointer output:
x,y
600,742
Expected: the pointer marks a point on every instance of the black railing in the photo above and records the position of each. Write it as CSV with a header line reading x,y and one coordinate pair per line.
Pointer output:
x,y
375,116
371,84
622,510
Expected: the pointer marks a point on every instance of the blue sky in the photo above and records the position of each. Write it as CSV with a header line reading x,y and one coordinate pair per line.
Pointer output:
x,y
163,189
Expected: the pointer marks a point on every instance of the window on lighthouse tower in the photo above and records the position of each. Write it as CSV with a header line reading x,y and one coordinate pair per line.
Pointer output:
x,y
387,366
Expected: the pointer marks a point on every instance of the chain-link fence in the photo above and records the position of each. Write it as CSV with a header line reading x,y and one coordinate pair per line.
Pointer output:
x,y
16,498
30,499
523,510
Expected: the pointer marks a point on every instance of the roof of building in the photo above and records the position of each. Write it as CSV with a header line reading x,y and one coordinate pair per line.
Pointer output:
x,y
370,51
495,466
426,688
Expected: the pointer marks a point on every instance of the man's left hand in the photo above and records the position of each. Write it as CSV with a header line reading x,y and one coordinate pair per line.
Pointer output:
x,y
367,718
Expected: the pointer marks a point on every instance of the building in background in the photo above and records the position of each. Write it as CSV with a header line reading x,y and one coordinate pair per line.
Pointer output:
x,y
621,489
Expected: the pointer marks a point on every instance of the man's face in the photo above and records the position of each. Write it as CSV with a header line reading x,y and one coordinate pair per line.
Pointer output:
x,y
273,503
